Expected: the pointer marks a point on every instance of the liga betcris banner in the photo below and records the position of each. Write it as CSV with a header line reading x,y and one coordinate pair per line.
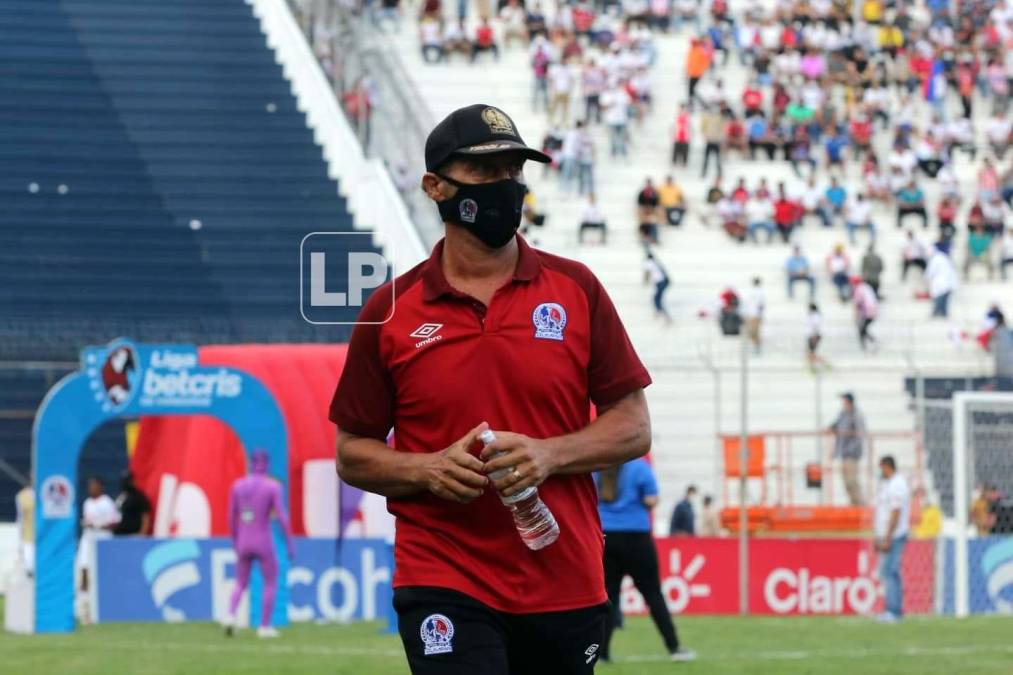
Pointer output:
x,y
786,577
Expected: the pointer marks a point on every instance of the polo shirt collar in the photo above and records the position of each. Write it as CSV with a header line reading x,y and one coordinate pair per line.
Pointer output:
x,y
435,284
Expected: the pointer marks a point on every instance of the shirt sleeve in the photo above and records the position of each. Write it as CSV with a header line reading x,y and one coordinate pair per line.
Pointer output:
x,y
363,402
648,483
614,369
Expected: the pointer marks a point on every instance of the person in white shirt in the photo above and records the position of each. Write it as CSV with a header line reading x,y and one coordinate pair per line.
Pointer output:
x,y
24,502
858,216
813,337
941,276
760,216
655,273
866,309
616,103
912,255
753,305
592,218
893,513
998,129
98,518
560,83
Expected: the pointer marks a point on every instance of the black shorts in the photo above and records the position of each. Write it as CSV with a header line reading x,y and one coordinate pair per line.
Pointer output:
x,y
448,633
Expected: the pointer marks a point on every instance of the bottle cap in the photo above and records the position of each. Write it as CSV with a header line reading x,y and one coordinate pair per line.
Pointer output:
x,y
487,436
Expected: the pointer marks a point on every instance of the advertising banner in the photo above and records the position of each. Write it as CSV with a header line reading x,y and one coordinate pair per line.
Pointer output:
x,y
786,577
192,580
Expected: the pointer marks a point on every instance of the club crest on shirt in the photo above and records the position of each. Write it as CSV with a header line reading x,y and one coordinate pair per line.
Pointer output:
x,y
437,633
468,209
550,320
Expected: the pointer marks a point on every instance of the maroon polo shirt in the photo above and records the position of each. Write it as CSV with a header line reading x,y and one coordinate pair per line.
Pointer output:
x,y
549,344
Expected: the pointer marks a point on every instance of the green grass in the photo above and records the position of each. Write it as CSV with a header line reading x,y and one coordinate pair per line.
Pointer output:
x,y
761,646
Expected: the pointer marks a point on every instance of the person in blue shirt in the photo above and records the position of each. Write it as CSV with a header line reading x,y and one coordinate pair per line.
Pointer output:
x,y
836,194
626,495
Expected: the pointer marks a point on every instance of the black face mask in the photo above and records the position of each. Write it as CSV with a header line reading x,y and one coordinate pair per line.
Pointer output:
x,y
490,211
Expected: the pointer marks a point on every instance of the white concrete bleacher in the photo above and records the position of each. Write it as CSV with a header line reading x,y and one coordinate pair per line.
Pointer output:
x,y
685,356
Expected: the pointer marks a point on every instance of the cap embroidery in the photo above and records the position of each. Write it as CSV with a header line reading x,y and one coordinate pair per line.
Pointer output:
x,y
498,122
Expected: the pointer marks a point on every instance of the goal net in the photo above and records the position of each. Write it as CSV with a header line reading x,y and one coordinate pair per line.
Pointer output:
x,y
969,447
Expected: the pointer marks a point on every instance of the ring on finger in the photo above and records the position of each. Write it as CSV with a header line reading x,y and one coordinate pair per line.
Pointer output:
x,y
517,476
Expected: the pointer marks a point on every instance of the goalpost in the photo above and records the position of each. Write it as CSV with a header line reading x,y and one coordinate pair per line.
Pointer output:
x,y
982,443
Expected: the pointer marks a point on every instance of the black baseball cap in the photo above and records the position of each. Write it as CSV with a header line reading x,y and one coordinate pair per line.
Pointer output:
x,y
849,396
476,130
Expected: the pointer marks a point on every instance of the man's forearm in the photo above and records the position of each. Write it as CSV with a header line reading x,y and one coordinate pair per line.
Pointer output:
x,y
372,465
619,434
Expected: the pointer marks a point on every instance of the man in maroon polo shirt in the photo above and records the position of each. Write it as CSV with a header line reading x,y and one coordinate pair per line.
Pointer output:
x,y
490,333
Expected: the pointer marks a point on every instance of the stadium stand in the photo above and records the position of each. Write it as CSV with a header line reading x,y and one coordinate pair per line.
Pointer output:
x,y
691,355
157,178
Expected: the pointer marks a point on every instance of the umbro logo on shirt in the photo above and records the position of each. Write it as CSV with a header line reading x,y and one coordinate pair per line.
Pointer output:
x,y
428,333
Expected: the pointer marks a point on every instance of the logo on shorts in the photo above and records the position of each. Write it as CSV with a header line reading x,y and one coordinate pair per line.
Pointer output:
x,y
468,209
591,652
437,634
550,320
57,497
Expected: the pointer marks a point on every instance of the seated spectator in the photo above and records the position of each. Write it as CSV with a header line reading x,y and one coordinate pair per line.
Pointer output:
x,y
834,146
861,134
994,214
514,21
485,41
988,180
759,216
912,255
858,216
431,40
759,136
979,244
798,270
836,197
947,214
787,213
671,199
999,131
455,39
877,186
531,217
592,218
735,135
911,201
730,215
929,153
839,270
647,212
814,203
536,22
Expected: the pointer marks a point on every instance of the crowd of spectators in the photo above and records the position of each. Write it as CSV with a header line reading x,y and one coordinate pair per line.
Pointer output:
x,y
881,110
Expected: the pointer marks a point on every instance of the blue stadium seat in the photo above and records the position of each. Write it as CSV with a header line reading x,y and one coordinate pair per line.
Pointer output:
x,y
157,178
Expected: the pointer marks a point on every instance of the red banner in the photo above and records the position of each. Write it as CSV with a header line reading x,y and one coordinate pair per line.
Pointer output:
x,y
786,577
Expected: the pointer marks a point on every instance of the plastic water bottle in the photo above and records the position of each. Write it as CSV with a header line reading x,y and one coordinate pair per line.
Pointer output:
x,y
535,522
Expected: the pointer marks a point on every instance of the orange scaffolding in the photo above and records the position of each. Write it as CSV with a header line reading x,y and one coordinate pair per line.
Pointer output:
x,y
771,461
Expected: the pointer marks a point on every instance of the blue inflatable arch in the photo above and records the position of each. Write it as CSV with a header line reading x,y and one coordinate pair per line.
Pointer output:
x,y
124,380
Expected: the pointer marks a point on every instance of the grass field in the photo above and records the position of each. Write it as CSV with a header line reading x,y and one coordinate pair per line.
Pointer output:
x,y
761,646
